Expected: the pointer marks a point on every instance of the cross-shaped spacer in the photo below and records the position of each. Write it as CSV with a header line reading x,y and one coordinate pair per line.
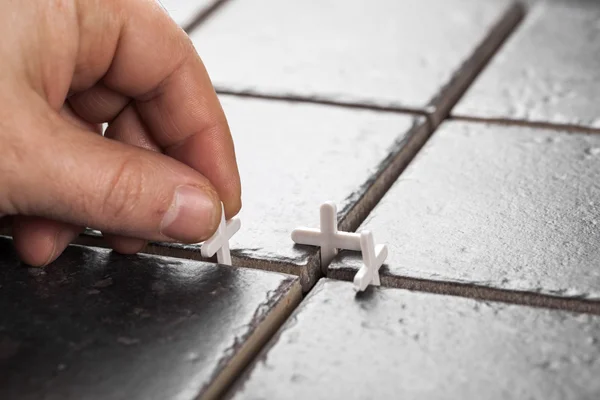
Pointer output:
x,y
328,238
373,258
219,242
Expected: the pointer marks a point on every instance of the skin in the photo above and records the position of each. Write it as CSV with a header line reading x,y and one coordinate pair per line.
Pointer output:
x,y
70,65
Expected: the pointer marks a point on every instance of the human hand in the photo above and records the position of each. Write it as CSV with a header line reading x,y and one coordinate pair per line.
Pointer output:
x,y
167,158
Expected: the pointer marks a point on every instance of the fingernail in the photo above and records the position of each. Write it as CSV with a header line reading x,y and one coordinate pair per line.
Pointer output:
x,y
191,217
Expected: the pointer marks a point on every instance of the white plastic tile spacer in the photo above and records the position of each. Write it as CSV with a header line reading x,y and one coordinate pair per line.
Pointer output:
x,y
328,238
219,242
373,258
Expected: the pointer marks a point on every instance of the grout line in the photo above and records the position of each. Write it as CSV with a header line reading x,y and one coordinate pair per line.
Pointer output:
x,y
477,292
309,273
321,101
355,216
254,344
465,290
203,16
470,70
526,124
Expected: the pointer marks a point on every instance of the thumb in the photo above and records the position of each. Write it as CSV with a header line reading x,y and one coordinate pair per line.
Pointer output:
x,y
68,174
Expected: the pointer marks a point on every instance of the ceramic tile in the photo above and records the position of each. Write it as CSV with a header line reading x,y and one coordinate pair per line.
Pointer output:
x,y
185,12
548,71
97,325
292,157
493,206
396,344
415,54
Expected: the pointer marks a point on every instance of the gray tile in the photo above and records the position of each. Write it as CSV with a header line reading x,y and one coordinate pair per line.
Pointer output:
x,y
500,207
185,12
415,54
292,157
396,344
548,71
97,325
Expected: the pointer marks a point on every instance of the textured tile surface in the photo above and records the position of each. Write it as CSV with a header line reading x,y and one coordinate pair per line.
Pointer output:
x,y
184,12
504,207
389,53
392,343
548,71
292,157
97,325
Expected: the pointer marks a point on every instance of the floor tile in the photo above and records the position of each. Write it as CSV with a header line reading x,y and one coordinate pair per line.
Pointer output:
x,y
397,344
494,206
292,157
415,54
185,12
547,72
97,325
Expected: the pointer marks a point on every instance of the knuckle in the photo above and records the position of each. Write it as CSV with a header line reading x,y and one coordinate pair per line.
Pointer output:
x,y
125,189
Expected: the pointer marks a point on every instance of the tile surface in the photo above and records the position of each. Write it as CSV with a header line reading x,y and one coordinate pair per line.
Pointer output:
x,y
184,12
392,343
504,207
292,157
97,325
404,54
548,71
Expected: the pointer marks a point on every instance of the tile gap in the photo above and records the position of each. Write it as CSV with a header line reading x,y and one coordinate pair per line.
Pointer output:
x,y
526,124
415,139
309,274
322,101
262,335
477,292
450,94
204,15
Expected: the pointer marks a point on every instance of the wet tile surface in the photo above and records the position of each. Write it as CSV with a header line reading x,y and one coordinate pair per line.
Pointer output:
x,y
548,71
184,12
292,157
408,54
495,206
392,343
97,325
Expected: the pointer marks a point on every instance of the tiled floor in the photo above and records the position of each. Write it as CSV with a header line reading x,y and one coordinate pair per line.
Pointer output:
x,y
100,325
395,344
547,72
292,157
412,54
333,100
492,206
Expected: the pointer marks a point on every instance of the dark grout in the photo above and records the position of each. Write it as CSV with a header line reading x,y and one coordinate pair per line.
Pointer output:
x,y
321,101
387,176
204,15
523,298
526,124
451,94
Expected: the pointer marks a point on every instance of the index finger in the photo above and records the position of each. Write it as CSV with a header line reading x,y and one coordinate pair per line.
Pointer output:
x,y
156,64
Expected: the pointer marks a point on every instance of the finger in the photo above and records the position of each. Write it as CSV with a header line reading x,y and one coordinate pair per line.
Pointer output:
x,y
129,128
39,241
104,184
72,117
153,61
98,104
124,244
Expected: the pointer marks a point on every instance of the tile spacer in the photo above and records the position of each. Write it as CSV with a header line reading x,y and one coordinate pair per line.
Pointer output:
x,y
328,238
219,242
373,258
